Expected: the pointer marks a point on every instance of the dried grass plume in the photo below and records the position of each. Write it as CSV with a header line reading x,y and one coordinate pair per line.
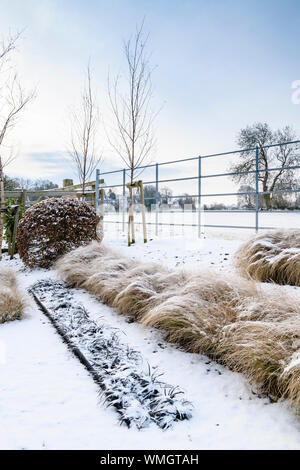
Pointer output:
x,y
271,257
12,301
226,317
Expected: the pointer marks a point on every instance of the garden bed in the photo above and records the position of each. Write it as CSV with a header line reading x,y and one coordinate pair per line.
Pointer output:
x,y
49,400
128,384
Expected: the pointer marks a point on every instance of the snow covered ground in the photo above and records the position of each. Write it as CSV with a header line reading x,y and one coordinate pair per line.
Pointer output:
x,y
49,401
185,223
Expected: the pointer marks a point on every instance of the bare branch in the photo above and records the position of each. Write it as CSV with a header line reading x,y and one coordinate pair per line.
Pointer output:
x,y
84,130
133,137
13,101
260,134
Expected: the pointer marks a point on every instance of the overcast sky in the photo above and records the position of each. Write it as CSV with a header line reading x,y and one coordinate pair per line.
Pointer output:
x,y
220,65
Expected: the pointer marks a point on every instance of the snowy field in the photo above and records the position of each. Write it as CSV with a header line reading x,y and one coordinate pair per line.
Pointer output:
x,y
49,401
185,223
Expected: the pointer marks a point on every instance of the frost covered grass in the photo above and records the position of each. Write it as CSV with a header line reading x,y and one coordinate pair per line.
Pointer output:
x,y
272,256
12,301
62,409
135,391
223,316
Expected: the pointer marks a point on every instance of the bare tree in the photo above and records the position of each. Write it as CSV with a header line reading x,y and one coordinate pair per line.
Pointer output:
x,y
261,135
133,138
247,197
84,130
13,101
165,194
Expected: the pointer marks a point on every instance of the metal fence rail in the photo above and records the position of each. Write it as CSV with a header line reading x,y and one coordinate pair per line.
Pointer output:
x,y
198,197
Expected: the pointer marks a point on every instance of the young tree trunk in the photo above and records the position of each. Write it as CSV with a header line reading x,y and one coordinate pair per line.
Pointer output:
x,y
131,211
2,205
268,202
142,199
129,214
134,118
102,209
128,232
131,233
83,190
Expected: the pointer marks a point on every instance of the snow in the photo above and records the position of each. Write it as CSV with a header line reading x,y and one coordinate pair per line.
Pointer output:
x,y
127,381
49,400
294,362
172,222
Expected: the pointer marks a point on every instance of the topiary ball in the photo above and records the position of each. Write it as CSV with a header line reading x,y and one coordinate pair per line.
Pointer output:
x,y
53,227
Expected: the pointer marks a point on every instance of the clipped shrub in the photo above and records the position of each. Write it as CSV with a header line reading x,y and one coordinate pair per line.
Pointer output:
x,y
12,301
54,227
271,257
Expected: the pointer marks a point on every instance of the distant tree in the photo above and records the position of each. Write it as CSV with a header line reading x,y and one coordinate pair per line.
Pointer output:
x,y
83,147
24,183
297,199
34,185
165,194
280,201
246,200
187,199
283,200
10,184
150,196
260,134
43,185
215,206
112,197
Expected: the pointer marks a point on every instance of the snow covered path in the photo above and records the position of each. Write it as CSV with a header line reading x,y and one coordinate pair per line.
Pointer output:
x,y
48,400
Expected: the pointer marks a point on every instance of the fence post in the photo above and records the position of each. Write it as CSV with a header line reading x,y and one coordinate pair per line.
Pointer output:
x,y
199,195
123,205
14,235
97,188
156,199
23,197
256,188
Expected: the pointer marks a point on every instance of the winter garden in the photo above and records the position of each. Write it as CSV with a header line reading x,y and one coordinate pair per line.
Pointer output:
x,y
138,315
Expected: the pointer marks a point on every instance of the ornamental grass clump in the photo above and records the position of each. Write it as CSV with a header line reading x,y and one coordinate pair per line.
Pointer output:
x,y
54,227
271,257
12,301
228,318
